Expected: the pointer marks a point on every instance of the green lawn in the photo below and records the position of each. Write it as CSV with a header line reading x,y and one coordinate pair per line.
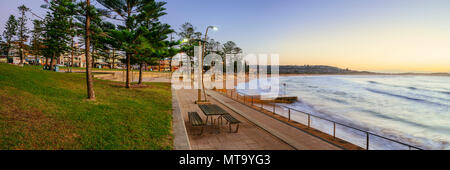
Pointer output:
x,y
47,110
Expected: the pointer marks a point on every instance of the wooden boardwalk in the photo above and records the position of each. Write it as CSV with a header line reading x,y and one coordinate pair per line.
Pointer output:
x,y
257,131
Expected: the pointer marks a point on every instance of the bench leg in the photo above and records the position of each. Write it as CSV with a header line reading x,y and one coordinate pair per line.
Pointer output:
x,y
237,128
201,131
229,125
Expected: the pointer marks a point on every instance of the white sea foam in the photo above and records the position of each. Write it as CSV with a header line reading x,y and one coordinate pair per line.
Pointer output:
x,y
410,109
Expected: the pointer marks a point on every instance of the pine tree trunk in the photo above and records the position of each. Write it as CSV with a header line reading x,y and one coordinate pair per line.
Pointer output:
x,y
21,56
114,61
170,65
46,62
89,77
141,67
127,84
71,62
36,60
93,56
7,53
110,62
52,63
114,58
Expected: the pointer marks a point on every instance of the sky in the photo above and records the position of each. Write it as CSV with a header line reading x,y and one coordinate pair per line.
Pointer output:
x,y
371,35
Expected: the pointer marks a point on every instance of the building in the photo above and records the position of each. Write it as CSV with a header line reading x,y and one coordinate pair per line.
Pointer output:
x,y
163,65
80,61
13,54
3,59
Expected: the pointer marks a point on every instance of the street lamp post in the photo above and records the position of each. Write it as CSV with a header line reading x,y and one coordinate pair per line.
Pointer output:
x,y
201,65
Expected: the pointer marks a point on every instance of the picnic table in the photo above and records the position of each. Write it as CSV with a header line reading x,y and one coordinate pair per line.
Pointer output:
x,y
211,110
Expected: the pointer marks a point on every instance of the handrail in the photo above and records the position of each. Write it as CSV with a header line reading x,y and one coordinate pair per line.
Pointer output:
x,y
368,134
341,124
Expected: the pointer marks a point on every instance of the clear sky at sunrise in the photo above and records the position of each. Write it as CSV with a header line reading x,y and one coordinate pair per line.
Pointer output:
x,y
374,35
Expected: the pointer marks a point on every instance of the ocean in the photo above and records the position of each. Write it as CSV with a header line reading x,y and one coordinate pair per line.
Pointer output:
x,y
411,109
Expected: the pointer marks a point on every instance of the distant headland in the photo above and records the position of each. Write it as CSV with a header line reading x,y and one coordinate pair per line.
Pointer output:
x,y
324,69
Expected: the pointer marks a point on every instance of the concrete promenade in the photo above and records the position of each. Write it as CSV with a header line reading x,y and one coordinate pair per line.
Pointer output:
x,y
257,131
298,139
250,136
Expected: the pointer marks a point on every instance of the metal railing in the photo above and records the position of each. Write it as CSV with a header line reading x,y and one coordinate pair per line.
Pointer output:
x,y
244,100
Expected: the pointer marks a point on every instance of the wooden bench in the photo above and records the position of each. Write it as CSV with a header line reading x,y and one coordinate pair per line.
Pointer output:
x,y
231,120
196,120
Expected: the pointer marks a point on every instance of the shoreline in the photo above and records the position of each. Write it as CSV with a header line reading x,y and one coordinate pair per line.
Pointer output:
x,y
381,74
350,132
405,135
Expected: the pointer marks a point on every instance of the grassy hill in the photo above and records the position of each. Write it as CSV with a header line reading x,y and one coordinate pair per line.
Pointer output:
x,y
47,110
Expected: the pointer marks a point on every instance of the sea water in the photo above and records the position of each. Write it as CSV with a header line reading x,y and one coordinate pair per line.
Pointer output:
x,y
411,109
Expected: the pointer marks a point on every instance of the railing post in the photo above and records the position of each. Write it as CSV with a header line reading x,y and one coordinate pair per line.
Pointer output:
x,y
334,130
309,120
367,141
274,108
289,114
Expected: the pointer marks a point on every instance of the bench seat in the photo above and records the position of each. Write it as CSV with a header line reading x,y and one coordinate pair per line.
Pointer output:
x,y
196,120
231,120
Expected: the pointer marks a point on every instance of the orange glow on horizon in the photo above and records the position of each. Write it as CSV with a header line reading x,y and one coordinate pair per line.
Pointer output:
x,y
385,45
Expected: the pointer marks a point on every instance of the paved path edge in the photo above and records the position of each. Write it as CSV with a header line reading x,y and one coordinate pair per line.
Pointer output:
x,y
181,139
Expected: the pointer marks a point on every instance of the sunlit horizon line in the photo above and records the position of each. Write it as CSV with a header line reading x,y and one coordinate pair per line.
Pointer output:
x,y
394,71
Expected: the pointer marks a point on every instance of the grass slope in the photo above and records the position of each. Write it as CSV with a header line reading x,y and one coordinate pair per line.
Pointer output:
x,y
47,110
